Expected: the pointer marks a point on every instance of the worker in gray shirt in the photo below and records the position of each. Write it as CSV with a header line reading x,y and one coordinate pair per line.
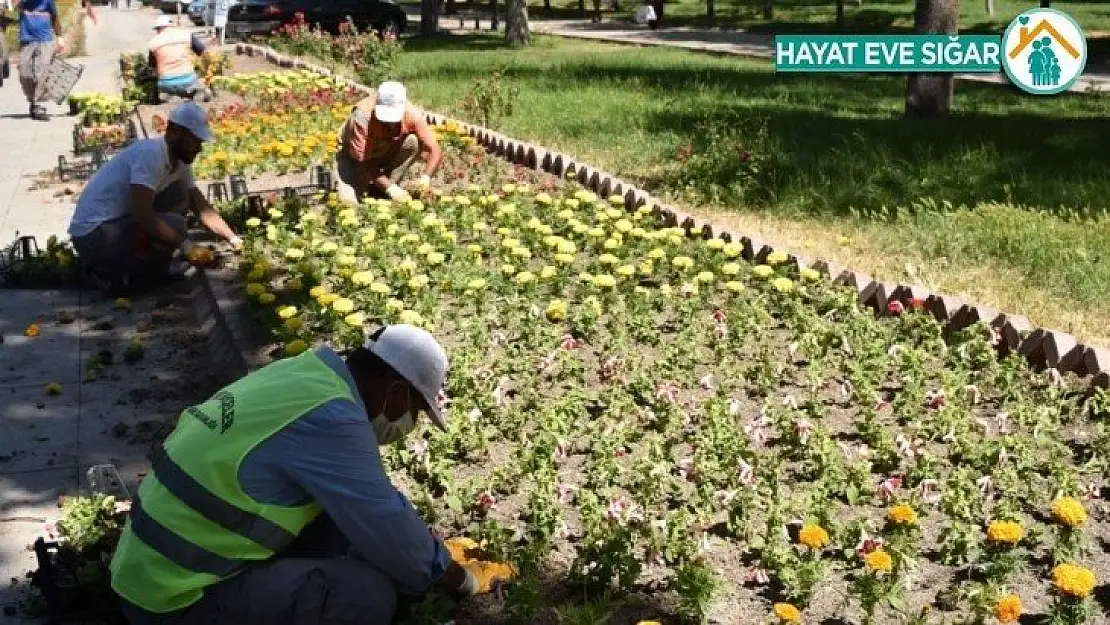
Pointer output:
x,y
269,502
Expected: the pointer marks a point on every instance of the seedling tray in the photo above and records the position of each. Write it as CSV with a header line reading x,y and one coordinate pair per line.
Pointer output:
x,y
79,169
83,144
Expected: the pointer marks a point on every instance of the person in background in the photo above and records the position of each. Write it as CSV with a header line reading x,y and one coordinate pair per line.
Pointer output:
x,y
171,55
379,141
130,219
40,38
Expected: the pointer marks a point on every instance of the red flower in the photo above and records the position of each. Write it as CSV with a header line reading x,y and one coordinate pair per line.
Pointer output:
x,y
484,502
917,303
895,307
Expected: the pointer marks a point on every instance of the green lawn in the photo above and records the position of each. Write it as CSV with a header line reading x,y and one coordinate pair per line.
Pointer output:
x,y
1006,201
791,15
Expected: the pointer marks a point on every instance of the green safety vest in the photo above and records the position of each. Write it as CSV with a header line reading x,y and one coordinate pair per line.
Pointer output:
x,y
191,524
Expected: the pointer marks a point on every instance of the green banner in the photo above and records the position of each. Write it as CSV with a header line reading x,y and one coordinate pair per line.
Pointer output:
x,y
888,53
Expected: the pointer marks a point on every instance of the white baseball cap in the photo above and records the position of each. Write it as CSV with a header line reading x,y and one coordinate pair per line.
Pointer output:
x,y
389,106
193,118
414,354
163,21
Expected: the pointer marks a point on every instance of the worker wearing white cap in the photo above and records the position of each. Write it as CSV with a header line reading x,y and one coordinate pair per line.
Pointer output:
x,y
130,218
269,503
379,142
170,53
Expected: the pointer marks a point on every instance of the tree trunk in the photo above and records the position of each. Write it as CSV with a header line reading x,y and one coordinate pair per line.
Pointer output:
x,y
492,16
990,7
451,7
930,95
582,7
429,17
768,10
516,24
547,6
1045,4
840,13
710,10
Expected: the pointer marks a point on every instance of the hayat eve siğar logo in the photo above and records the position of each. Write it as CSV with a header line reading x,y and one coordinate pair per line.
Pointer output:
x,y
1044,51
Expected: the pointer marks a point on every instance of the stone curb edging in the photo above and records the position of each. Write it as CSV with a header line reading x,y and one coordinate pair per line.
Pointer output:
x,y
1042,348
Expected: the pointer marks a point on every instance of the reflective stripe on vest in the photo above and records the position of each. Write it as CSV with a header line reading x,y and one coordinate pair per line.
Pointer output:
x,y
192,524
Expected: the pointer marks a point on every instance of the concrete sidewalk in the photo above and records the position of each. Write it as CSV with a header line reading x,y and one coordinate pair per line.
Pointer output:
x,y
38,211
733,42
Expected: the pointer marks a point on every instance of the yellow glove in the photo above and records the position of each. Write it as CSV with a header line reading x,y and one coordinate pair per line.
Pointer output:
x,y
488,574
462,549
198,254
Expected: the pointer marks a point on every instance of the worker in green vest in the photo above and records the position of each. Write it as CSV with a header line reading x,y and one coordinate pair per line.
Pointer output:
x,y
269,503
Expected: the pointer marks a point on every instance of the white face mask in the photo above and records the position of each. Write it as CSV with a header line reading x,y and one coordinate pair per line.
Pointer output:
x,y
389,432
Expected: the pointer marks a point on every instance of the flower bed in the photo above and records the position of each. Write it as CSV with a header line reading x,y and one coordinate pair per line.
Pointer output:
x,y
636,410
288,122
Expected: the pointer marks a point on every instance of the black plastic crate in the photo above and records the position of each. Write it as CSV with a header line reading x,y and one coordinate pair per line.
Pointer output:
x,y
86,145
68,598
246,203
79,169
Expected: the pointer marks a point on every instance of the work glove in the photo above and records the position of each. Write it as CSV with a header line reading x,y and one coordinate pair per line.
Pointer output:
x,y
236,243
481,576
396,193
197,254
425,181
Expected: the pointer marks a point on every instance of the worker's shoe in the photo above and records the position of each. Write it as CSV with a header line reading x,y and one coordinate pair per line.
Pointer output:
x,y
39,113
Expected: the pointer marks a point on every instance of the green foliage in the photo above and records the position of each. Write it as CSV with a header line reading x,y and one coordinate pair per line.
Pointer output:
x,y
89,522
490,100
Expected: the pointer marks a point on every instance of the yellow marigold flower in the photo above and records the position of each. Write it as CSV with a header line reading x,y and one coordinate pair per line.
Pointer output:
x,y
329,246
419,282
254,222
556,310
122,303
596,232
286,312
508,269
732,250
605,281
776,258
787,613
1008,609
327,298
362,278
253,288
762,271
343,305
294,323
435,258
476,284
548,271
355,320
611,244
565,259
543,198
1073,580
715,244
580,228
843,240
704,276
525,277
293,348
608,259
1069,511
1004,532
266,298
626,271
616,200
479,226
317,291
809,275
345,260
902,514
566,247
379,288
394,304
730,269
474,248
276,214
813,536
53,389
656,253
682,262
783,285
879,561
734,286
411,317
623,225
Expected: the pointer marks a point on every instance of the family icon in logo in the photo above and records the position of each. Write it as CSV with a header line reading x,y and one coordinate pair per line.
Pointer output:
x,y
1045,51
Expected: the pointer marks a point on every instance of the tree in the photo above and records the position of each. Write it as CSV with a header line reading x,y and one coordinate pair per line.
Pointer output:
x,y
930,95
840,13
429,17
516,23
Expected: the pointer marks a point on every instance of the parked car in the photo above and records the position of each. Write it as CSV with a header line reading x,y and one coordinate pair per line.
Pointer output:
x,y
196,12
170,6
261,17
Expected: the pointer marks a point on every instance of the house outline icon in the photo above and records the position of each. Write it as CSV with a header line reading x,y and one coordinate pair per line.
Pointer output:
x,y
1025,37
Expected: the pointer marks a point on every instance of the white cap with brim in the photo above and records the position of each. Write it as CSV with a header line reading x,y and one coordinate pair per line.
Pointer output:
x,y
389,102
193,118
415,354
163,21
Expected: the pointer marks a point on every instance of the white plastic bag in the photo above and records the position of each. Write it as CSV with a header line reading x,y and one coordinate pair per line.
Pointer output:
x,y
644,14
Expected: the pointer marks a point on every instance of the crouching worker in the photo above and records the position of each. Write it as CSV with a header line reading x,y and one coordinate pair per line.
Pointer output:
x,y
130,219
269,502
379,141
